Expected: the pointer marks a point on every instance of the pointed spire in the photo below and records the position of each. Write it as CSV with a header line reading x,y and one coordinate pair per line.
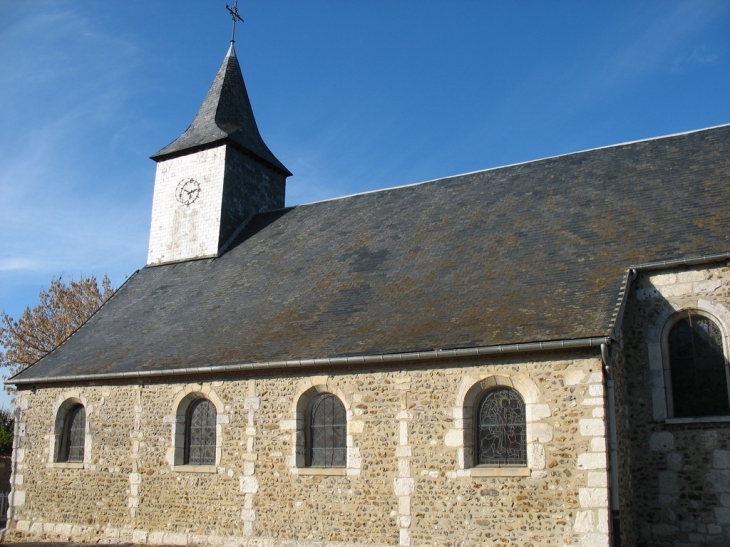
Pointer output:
x,y
225,114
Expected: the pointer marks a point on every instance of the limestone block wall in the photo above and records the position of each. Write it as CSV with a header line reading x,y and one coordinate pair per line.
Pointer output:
x,y
407,481
680,473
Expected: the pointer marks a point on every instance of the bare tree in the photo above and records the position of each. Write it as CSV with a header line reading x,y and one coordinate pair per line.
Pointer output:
x,y
61,310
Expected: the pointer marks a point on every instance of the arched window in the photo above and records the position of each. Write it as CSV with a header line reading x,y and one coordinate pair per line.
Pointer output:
x,y
699,379
200,433
72,435
327,432
500,428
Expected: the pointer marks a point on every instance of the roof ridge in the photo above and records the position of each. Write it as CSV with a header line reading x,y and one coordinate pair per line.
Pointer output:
x,y
527,162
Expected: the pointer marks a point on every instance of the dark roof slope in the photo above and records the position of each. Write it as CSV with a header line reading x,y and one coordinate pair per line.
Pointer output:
x,y
530,252
226,113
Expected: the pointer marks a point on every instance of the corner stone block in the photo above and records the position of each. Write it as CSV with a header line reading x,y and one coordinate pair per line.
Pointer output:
x,y
536,456
711,285
584,522
697,275
662,279
721,459
249,485
595,540
156,538
574,377
540,432
598,479
537,412
595,390
173,538
454,438
668,482
661,441
18,498
592,427
288,425
593,497
252,403
248,515
592,460
403,487
718,480
598,444
722,515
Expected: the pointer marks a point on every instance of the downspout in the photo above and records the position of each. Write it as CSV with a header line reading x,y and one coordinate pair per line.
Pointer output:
x,y
614,509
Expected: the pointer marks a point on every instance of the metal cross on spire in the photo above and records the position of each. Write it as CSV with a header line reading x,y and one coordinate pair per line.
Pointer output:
x,y
235,16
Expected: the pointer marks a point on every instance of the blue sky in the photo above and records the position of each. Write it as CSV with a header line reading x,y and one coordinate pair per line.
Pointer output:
x,y
350,96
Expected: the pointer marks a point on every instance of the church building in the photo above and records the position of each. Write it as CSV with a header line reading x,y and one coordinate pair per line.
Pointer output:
x,y
531,355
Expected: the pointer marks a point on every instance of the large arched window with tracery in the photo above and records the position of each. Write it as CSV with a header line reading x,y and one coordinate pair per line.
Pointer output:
x,y
327,432
500,429
698,368
200,433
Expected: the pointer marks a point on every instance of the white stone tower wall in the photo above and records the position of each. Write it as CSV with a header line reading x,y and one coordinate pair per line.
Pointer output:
x,y
180,231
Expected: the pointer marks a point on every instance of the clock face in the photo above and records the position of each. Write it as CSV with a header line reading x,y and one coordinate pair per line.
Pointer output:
x,y
187,191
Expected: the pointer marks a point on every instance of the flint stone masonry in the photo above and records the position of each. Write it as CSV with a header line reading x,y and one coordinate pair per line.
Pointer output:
x,y
682,465
409,489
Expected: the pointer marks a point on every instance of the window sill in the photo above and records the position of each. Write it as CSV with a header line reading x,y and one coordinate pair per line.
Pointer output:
x,y
323,471
194,468
499,471
699,420
67,465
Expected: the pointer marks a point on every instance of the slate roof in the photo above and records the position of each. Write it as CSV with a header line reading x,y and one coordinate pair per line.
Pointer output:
x,y
225,115
531,252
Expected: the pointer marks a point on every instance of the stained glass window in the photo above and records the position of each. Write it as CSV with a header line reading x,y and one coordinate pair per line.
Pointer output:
x,y
73,435
328,432
501,429
697,364
200,433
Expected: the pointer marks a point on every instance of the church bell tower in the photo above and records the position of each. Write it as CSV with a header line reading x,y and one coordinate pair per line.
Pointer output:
x,y
212,179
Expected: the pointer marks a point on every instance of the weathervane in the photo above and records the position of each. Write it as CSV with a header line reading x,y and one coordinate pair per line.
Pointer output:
x,y
235,16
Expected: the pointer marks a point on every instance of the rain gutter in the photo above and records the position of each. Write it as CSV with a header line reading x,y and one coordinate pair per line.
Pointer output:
x,y
325,362
681,262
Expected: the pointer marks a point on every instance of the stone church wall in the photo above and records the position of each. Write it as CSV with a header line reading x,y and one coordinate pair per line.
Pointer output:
x,y
680,467
407,481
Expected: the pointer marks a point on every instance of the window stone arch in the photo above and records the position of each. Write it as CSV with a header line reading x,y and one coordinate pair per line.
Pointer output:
x,y
326,432
500,434
658,350
197,420
694,359
464,435
71,441
70,432
311,390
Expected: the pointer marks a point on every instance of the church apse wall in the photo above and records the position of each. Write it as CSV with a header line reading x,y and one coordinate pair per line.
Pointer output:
x,y
679,447
408,473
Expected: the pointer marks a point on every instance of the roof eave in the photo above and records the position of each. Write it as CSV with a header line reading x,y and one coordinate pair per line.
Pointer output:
x,y
436,354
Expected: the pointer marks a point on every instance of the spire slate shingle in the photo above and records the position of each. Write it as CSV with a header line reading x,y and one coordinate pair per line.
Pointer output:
x,y
226,113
